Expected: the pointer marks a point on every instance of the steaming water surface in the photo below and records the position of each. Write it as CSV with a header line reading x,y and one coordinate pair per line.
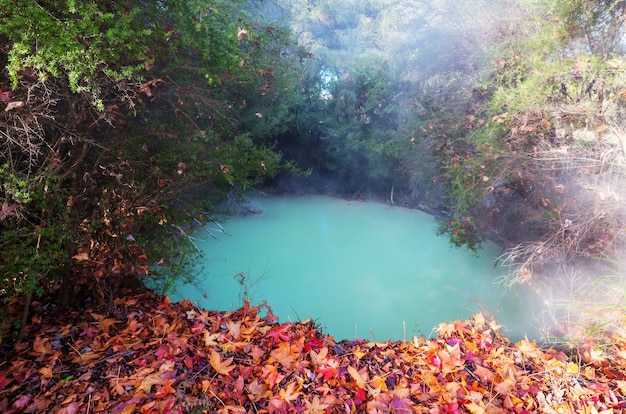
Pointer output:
x,y
357,268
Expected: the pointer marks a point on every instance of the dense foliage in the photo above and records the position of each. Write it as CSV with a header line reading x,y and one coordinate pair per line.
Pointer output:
x,y
504,118
111,112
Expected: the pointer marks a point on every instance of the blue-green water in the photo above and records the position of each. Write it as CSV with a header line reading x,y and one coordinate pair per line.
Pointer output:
x,y
359,269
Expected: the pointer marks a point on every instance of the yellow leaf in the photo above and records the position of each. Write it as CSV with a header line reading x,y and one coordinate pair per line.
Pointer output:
x,y
500,118
572,368
360,381
241,33
318,358
505,387
445,329
221,367
528,349
474,408
494,325
358,353
81,257
379,383
209,339
232,346
149,381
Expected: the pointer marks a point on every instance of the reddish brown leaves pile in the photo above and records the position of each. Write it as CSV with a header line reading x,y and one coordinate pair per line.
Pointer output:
x,y
145,354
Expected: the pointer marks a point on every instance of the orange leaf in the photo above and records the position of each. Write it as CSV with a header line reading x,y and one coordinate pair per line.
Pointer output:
x,y
129,409
206,384
290,393
221,367
234,329
284,354
379,383
271,374
316,406
451,360
485,375
46,372
105,324
166,389
257,390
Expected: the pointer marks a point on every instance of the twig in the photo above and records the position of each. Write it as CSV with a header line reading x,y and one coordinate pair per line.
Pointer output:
x,y
204,227
190,238
215,395
404,328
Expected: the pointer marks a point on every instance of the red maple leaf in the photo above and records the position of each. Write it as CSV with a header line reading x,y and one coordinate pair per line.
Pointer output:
x,y
90,331
329,370
279,334
313,342
198,327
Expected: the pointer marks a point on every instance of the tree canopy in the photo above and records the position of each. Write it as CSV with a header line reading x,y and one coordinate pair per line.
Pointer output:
x,y
111,113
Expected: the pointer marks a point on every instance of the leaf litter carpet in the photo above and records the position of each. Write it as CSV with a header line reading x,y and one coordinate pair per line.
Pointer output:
x,y
143,354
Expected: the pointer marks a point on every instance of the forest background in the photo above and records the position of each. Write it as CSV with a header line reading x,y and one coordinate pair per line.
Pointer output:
x,y
125,124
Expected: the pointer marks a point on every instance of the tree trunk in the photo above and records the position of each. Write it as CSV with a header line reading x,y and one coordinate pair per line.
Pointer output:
x,y
25,311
